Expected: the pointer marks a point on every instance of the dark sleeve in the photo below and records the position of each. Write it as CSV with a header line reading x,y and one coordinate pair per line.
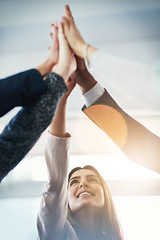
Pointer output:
x,y
20,90
137,142
25,128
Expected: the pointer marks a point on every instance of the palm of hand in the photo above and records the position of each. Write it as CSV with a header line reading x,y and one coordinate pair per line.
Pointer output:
x,y
73,35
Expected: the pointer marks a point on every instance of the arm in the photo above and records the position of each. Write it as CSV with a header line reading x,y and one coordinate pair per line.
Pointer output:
x,y
137,142
54,205
132,84
52,217
58,124
20,89
26,127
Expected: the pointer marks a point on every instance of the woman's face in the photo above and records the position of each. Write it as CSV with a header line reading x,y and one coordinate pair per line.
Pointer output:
x,y
84,189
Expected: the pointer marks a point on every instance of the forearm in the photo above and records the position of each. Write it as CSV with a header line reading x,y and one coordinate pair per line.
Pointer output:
x,y
58,124
137,142
82,77
25,128
87,82
129,82
86,53
20,89
45,68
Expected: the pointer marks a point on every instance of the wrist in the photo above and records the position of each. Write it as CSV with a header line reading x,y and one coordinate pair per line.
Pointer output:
x,y
81,50
64,98
61,72
85,80
89,51
45,68
87,87
48,65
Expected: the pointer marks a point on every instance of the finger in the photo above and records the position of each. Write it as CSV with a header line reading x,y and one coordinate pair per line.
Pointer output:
x,y
61,36
60,28
51,35
54,29
60,31
52,25
68,13
65,21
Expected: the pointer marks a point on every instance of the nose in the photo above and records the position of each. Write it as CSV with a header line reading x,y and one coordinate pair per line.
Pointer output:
x,y
83,183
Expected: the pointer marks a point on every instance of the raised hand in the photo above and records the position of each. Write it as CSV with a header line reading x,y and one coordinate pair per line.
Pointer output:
x,y
75,40
82,77
52,57
66,62
72,34
54,48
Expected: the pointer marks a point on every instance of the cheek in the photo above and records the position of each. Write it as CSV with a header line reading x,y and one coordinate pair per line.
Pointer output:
x,y
71,194
101,196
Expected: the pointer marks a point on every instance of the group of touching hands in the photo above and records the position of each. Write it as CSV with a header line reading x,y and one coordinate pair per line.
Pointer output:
x,y
67,52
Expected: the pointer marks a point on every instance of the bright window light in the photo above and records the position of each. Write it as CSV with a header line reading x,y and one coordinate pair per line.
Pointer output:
x,y
110,166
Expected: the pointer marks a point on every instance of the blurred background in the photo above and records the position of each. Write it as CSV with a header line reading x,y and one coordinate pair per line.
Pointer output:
x,y
124,28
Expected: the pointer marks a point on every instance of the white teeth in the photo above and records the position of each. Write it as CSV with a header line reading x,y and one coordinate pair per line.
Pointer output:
x,y
84,193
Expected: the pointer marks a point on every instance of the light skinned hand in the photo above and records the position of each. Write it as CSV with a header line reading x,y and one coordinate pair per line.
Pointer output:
x,y
66,62
75,39
54,48
72,34
52,57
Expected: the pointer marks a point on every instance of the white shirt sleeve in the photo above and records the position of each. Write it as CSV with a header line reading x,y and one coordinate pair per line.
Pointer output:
x,y
52,218
131,84
93,94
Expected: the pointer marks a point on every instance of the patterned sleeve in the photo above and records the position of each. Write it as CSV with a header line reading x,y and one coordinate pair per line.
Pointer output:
x,y
25,128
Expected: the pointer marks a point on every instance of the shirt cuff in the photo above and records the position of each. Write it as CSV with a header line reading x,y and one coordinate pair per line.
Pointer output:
x,y
68,135
93,94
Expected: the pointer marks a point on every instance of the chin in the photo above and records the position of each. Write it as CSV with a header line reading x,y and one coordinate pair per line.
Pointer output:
x,y
87,206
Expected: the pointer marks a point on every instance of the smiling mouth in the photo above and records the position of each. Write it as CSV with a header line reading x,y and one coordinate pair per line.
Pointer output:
x,y
85,194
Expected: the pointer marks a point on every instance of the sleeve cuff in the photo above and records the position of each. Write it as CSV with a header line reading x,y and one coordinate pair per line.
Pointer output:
x,y
68,135
93,94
